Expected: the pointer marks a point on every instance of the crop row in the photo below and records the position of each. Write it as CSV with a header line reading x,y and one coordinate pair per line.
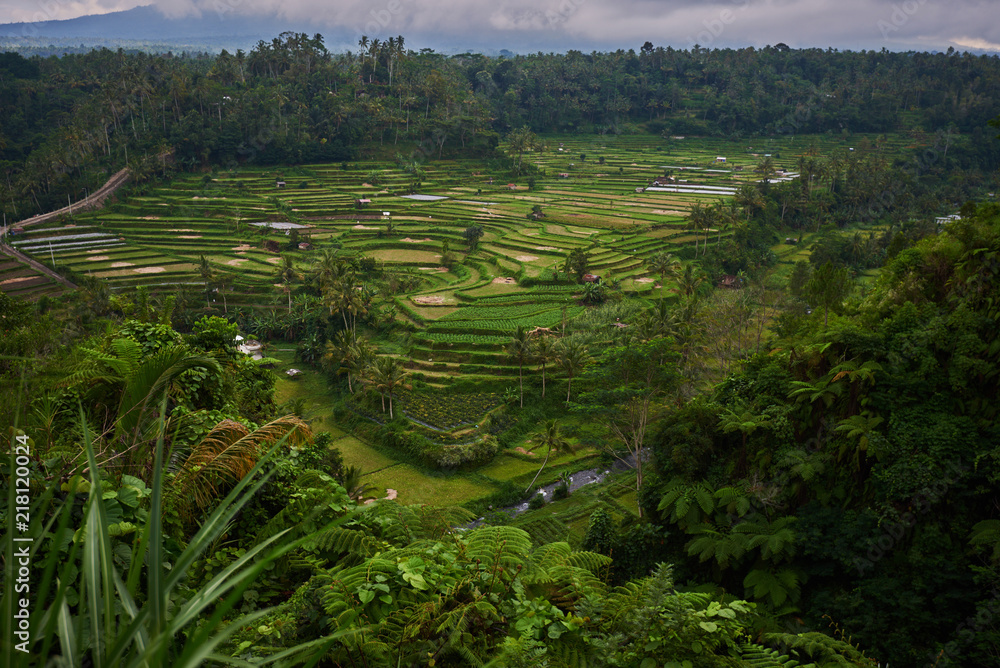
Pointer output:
x,y
496,312
544,319
438,338
443,411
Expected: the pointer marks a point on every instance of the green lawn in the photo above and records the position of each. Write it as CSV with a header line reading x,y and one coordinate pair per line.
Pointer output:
x,y
415,486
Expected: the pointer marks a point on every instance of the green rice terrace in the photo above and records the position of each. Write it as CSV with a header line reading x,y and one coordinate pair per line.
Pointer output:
x,y
621,199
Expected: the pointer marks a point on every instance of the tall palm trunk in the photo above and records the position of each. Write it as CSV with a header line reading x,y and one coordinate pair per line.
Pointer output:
x,y
520,382
544,462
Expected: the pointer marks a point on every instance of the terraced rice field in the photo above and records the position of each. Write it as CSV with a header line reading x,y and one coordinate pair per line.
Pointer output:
x,y
243,224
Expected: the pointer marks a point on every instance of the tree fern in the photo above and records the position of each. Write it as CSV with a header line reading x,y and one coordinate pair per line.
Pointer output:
x,y
987,533
756,656
776,587
503,546
826,651
776,540
686,504
341,541
711,543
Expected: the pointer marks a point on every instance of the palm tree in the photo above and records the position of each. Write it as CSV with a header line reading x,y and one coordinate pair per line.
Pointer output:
x,y
544,351
519,349
387,375
552,440
337,353
766,169
748,197
288,275
573,355
359,361
207,275
664,264
225,456
129,386
690,280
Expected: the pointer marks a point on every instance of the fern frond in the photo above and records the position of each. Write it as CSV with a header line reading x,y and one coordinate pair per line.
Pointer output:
x,y
228,453
502,545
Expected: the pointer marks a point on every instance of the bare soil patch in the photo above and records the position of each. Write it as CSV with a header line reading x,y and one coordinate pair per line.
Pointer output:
x,y
119,265
526,258
545,248
149,270
506,280
428,299
235,263
364,227
668,212
189,236
98,258
415,241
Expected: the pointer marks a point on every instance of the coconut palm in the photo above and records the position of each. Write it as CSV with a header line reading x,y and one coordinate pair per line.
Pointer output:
x,y
127,386
519,349
544,351
573,355
665,264
388,374
225,456
288,275
337,355
552,440
207,275
689,281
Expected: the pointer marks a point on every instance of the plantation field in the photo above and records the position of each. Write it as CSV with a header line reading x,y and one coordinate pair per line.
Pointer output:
x,y
595,194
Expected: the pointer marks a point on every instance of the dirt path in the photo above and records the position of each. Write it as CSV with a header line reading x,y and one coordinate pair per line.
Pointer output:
x,y
93,201
37,266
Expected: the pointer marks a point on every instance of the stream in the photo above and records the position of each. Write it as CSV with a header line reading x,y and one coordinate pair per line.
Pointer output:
x,y
577,480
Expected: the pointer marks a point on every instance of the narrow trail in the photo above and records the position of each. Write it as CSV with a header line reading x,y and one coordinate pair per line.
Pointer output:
x,y
37,266
93,201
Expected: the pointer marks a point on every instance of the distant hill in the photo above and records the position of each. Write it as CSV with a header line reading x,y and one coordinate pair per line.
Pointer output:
x,y
146,23
144,28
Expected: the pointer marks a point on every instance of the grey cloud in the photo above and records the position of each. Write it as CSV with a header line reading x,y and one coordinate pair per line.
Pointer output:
x,y
558,24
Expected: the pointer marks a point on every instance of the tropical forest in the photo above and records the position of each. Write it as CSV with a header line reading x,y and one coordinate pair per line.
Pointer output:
x,y
387,357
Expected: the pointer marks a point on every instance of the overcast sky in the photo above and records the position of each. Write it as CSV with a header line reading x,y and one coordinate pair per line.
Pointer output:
x,y
553,24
